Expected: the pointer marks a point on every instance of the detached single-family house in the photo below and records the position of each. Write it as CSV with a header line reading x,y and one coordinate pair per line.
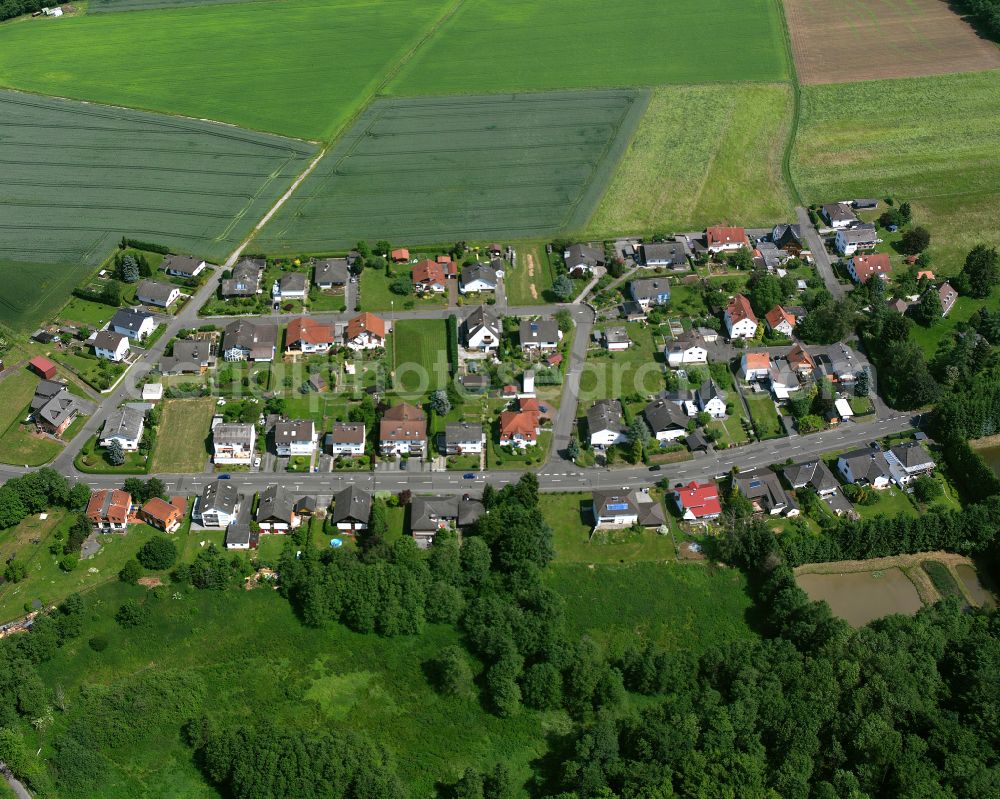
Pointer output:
x,y
711,400
780,321
125,426
770,256
740,319
346,438
477,278
616,508
650,291
863,267
182,266
365,332
864,467
233,443
306,336
763,488
244,340
519,429
800,360
163,515
45,391
276,511
403,431
108,510
218,505
812,474
698,501
245,280
352,509
162,295
908,461
429,277
430,515
665,255
788,238
291,286
616,339
111,346
463,438
294,437
838,215
689,348
755,366
725,239
190,356
948,297
57,414
482,330
606,423
666,420
132,323
583,258
540,334
331,272
848,241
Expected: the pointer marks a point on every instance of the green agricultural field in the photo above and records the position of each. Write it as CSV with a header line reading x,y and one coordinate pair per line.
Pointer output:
x,y
32,292
933,141
111,6
445,169
524,45
182,436
297,67
702,155
272,668
421,355
687,606
77,177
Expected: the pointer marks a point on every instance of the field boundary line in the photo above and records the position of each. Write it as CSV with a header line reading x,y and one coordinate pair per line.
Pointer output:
x,y
793,125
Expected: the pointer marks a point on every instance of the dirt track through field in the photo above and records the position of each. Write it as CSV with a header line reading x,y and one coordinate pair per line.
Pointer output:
x,y
531,273
874,39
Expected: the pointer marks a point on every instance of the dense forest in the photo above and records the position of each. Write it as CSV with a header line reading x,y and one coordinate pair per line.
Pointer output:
x,y
987,12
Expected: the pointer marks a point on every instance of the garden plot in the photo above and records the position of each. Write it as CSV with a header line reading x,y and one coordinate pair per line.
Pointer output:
x,y
445,169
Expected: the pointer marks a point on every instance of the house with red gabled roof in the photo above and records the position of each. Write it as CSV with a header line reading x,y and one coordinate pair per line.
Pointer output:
x,y
519,429
365,331
400,256
780,321
755,366
725,239
307,336
108,510
740,319
163,515
800,360
698,501
403,431
863,267
429,276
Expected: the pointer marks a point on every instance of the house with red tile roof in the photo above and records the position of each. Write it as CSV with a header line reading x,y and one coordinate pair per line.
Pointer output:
x,y
800,360
755,366
519,429
403,431
740,319
400,256
698,501
429,276
306,336
780,321
725,239
163,515
108,510
863,267
365,331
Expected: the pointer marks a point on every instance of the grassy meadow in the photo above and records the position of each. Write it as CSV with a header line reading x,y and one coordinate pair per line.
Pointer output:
x,y
273,666
933,141
702,155
185,426
34,292
524,45
421,355
444,169
297,67
19,444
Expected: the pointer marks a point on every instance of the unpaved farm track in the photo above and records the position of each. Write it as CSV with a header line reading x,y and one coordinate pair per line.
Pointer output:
x,y
874,39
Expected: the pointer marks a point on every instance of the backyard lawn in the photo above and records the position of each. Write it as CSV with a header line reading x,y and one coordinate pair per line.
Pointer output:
x,y
609,375
732,430
376,296
91,459
571,519
182,442
86,312
421,355
764,415
19,443
891,502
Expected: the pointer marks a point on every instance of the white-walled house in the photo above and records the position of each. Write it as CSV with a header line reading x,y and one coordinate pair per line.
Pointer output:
x,y
125,426
482,330
218,505
111,346
346,438
740,319
606,424
133,324
294,437
234,443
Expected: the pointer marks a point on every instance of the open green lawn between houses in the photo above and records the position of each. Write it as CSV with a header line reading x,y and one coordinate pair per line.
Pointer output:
x,y
420,349
612,375
183,436
764,415
376,296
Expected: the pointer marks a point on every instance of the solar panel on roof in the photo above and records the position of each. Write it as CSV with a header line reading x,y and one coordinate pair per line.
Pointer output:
x,y
618,506
755,484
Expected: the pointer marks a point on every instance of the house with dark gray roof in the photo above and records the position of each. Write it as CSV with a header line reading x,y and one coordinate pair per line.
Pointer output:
x,y
908,461
478,277
276,511
132,323
125,426
665,255
864,467
711,399
839,215
352,509
244,340
58,413
765,492
788,238
46,390
666,420
290,286
295,437
245,279
151,292
218,505
650,291
482,329
331,272
812,474
616,508
182,266
189,356
606,423
539,334
463,438
233,443
583,258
